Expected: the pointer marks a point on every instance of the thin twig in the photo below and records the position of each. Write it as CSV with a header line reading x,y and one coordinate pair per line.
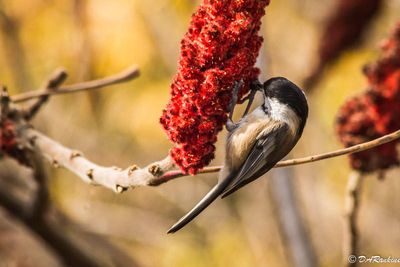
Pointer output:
x,y
285,163
352,204
154,174
126,75
51,85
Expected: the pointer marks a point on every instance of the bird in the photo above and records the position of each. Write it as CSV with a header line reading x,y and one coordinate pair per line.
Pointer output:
x,y
258,140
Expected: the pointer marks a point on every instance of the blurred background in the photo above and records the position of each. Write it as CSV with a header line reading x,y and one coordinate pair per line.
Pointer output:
x,y
119,125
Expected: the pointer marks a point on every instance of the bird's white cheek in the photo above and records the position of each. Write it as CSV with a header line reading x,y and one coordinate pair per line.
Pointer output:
x,y
281,112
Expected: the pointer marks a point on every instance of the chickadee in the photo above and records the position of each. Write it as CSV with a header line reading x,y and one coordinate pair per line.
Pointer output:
x,y
258,141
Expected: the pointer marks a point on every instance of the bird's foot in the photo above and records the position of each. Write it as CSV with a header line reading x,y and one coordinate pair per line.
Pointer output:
x,y
254,87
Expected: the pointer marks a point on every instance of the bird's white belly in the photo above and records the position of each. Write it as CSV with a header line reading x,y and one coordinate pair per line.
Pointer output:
x,y
241,141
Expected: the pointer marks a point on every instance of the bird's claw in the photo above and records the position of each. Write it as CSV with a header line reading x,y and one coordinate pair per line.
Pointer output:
x,y
234,99
255,86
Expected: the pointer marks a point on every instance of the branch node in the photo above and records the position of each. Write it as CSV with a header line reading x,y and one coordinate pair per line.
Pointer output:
x,y
32,141
120,189
381,175
89,174
56,79
55,164
75,154
132,168
155,170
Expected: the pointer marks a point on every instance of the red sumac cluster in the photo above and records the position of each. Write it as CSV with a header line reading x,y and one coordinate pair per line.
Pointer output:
x,y
376,112
219,49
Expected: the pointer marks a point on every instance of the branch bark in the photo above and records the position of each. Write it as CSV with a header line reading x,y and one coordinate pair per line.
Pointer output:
x,y
113,178
352,205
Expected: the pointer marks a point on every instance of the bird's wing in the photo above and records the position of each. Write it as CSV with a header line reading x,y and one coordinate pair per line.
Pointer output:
x,y
266,152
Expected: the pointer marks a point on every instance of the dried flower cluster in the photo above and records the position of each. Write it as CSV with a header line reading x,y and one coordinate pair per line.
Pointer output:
x,y
219,49
7,136
10,144
346,25
376,112
343,29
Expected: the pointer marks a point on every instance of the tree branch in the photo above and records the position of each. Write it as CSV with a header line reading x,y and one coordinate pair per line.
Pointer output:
x,y
352,202
156,173
114,178
126,75
285,163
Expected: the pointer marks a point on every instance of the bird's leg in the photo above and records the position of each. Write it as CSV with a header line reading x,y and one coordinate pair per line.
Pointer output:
x,y
254,87
230,125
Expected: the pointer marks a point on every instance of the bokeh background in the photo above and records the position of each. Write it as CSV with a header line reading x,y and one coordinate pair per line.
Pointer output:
x,y
119,125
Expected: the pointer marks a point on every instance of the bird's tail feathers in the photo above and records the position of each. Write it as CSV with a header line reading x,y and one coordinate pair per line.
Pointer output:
x,y
204,203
